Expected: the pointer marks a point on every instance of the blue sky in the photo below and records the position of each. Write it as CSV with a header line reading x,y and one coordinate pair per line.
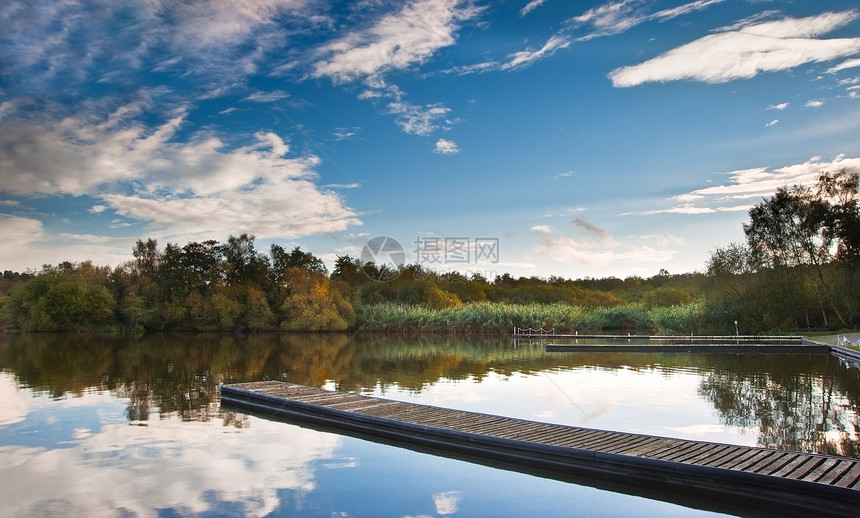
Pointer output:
x,y
582,139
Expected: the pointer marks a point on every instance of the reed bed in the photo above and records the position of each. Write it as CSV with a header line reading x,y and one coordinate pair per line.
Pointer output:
x,y
502,317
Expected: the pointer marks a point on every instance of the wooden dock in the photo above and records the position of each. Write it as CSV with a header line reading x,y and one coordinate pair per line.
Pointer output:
x,y
753,340
735,479
699,347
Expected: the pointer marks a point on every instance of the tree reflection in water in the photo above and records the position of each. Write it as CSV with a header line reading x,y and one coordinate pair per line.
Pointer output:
x,y
796,402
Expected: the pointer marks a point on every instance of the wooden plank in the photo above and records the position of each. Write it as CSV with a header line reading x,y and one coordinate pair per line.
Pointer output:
x,y
561,437
646,449
700,451
673,450
778,464
801,470
719,458
851,478
769,462
359,407
474,425
491,428
594,443
718,451
753,460
634,444
791,466
821,469
837,471
734,461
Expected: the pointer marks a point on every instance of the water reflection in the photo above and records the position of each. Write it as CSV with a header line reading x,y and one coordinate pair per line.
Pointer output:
x,y
813,407
799,402
82,460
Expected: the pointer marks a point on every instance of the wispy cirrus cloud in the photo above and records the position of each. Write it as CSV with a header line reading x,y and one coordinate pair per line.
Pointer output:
x,y
851,63
746,51
747,187
531,6
526,57
267,97
57,45
408,37
617,17
398,40
605,20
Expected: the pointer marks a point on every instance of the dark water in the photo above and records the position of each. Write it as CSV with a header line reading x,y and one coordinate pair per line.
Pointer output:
x,y
94,426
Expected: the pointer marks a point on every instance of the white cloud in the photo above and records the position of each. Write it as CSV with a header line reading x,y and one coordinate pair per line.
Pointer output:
x,y
531,6
397,41
748,186
17,234
98,209
674,12
15,403
59,44
814,104
594,245
779,107
851,63
613,18
446,503
180,188
542,229
526,57
353,185
190,467
446,147
772,123
617,17
27,245
346,133
746,52
575,251
267,97
681,209
419,120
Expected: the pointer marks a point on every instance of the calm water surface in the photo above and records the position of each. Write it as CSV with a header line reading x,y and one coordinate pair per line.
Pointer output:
x,y
132,427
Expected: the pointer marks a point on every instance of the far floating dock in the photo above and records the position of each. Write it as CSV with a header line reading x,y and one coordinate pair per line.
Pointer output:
x,y
752,340
707,347
739,479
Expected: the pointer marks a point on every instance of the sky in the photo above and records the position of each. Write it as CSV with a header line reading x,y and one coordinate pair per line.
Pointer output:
x,y
536,138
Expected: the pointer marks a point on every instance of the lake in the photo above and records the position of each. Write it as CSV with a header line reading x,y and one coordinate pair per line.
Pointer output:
x,y
96,426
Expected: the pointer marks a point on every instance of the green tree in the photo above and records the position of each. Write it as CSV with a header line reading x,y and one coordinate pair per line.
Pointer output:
x,y
54,301
790,233
202,263
839,191
241,262
313,304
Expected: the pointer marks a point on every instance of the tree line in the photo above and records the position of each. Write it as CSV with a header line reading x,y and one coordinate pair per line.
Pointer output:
x,y
799,268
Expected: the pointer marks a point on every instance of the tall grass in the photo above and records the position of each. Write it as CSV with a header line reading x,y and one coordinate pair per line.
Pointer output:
x,y
502,317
